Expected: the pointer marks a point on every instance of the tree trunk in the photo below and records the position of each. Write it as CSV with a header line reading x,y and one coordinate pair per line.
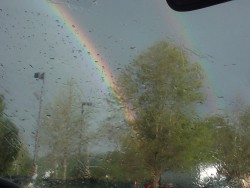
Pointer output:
x,y
65,168
56,169
156,178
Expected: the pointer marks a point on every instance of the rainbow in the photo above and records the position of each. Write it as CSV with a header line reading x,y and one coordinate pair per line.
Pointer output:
x,y
187,39
177,23
90,51
84,42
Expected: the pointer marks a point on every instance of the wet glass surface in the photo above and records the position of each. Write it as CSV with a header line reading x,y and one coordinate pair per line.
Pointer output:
x,y
124,94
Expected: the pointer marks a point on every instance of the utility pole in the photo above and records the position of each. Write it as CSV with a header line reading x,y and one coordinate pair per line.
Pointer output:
x,y
38,76
86,166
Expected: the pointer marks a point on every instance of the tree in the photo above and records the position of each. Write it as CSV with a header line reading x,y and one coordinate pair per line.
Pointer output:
x,y
159,91
111,131
22,164
9,140
232,149
62,127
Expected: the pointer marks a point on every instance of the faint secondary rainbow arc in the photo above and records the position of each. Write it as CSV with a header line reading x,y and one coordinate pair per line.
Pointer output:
x,y
213,104
186,39
90,51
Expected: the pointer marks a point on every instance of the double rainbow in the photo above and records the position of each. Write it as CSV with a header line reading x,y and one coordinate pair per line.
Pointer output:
x,y
99,62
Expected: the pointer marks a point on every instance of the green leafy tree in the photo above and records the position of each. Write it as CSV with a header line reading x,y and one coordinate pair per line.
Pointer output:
x,y
131,165
112,131
62,128
232,148
9,140
22,165
98,161
159,91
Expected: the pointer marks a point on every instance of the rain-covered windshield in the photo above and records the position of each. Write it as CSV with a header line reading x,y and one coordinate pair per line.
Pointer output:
x,y
114,93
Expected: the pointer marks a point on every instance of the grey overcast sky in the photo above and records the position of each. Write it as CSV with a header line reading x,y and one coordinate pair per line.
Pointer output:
x,y
34,38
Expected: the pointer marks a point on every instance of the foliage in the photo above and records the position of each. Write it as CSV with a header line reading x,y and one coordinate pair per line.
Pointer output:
x,y
132,166
49,163
232,149
98,161
78,166
112,131
22,165
112,167
64,127
46,163
159,91
9,140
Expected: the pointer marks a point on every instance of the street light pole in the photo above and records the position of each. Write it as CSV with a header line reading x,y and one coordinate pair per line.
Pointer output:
x,y
38,76
82,111
81,135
